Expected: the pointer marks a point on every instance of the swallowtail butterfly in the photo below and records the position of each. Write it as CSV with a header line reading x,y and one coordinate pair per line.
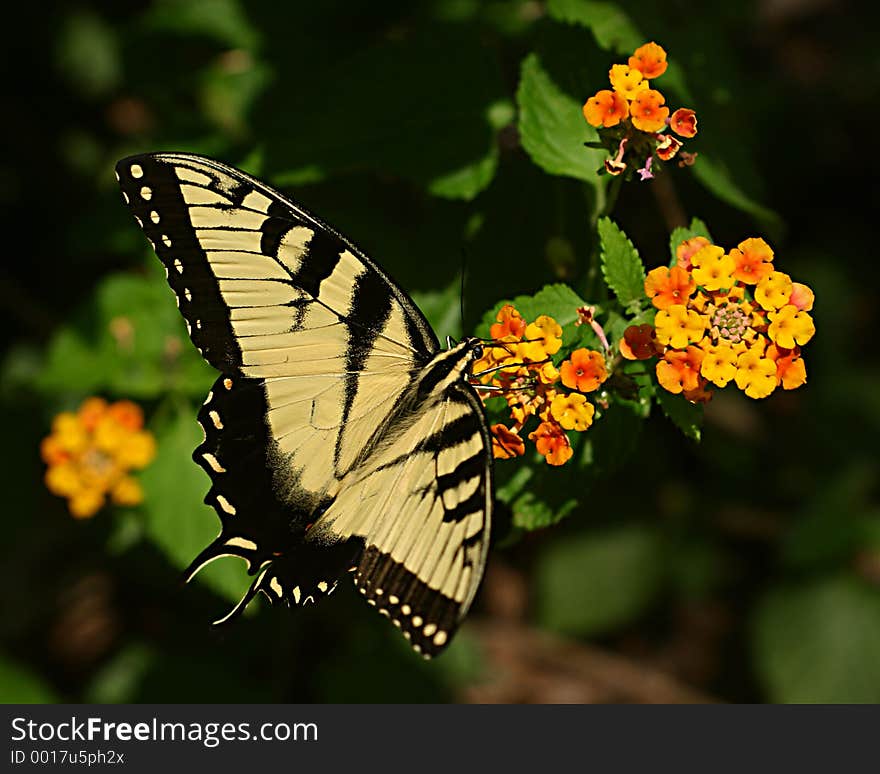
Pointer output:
x,y
339,437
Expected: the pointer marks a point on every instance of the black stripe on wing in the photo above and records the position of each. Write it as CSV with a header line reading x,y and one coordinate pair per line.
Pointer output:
x,y
262,514
152,191
427,618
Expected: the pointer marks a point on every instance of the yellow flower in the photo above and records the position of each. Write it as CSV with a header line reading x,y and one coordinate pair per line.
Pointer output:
x,y
90,453
573,411
542,338
86,503
137,451
127,491
774,290
755,374
677,326
63,479
719,363
69,433
713,268
627,81
548,374
789,326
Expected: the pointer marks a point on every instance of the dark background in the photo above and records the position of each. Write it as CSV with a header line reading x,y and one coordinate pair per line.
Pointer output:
x,y
745,568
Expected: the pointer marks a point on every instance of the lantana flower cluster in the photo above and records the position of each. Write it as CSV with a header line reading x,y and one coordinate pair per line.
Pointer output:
x,y
632,117
91,453
518,366
724,317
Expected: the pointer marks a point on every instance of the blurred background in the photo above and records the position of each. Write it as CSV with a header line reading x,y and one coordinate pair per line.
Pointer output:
x,y
745,568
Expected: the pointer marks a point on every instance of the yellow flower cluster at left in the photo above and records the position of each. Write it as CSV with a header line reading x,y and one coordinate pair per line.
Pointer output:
x,y
518,366
90,454
724,317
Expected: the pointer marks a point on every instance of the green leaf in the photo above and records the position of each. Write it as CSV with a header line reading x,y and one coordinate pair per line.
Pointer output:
x,y
615,31
839,520
717,178
558,301
176,518
595,583
442,308
538,494
819,641
130,340
222,20
117,680
552,127
21,686
405,107
682,233
686,416
609,24
621,265
88,54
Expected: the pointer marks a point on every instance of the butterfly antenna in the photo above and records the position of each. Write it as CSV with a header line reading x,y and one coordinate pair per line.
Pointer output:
x,y
461,288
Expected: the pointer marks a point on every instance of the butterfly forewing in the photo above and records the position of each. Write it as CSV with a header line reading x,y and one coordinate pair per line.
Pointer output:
x,y
326,383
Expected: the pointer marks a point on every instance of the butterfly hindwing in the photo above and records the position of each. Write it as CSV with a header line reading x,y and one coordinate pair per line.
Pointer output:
x,y
336,436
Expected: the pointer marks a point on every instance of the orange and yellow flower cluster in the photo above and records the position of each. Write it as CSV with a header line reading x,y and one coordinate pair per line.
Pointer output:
x,y
90,454
724,317
632,117
518,366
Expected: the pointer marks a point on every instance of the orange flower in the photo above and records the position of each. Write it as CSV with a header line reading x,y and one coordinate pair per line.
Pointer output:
x,y
791,372
753,259
687,249
552,442
639,342
91,411
801,297
684,122
668,286
510,323
506,443
700,394
649,60
584,371
679,371
605,108
648,113
127,414
667,146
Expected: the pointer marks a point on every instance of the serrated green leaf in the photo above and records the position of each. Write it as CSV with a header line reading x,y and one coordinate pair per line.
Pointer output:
x,y
175,516
682,233
552,127
717,178
686,416
818,641
621,265
595,583
558,301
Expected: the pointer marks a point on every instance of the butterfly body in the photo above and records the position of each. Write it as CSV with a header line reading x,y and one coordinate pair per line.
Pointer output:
x,y
338,436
